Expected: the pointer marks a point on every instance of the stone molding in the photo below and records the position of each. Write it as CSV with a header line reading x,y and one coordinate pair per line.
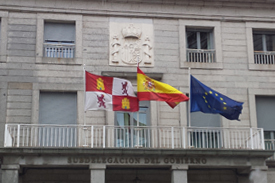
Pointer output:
x,y
10,167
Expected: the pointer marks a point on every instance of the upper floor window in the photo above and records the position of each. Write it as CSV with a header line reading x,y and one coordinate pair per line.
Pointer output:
x,y
59,40
200,45
264,47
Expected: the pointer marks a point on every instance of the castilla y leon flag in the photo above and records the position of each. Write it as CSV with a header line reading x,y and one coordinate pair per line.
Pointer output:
x,y
109,93
150,89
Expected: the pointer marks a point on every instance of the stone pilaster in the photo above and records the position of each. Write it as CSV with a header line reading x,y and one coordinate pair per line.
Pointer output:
x,y
10,173
179,174
97,173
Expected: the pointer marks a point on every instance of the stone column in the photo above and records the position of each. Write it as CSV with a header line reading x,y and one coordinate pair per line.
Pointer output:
x,y
97,173
258,174
179,173
10,173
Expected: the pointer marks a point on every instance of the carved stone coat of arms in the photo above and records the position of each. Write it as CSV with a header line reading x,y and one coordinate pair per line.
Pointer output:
x,y
131,44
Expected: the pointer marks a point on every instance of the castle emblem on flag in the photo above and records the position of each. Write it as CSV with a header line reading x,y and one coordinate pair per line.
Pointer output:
x,y
149,84
100,84
101,101
124,88
125,103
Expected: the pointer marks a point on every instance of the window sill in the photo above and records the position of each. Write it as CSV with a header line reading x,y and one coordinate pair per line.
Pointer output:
x,y
269,67
59,61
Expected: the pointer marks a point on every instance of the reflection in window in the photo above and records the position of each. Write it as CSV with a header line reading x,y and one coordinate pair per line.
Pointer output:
x,y
132,128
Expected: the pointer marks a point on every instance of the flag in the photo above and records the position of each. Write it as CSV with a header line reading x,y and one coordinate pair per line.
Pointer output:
x,y
109,93
150,89
206,100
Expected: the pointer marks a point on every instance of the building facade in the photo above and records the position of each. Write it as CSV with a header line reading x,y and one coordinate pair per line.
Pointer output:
x,y
45,135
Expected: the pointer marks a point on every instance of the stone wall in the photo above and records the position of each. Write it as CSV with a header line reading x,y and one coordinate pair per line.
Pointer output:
x,y
23,77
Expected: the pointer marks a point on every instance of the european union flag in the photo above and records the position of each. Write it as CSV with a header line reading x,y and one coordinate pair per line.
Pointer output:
x,y
206,100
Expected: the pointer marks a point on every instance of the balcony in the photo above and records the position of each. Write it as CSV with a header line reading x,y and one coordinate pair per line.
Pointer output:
x,y
72,136
201,56
264,57
55,50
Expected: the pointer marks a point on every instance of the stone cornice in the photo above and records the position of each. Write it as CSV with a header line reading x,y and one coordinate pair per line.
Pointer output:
x,y
131,75
210,10
134,152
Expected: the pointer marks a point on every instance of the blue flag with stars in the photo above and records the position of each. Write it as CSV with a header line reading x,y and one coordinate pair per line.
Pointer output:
x,y
206,100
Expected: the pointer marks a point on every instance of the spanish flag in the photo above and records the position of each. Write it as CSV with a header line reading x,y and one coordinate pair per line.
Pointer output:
x,y
150,89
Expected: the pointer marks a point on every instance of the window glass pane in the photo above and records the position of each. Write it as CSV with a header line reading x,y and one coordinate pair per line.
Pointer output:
x,y
204,40
265,107
130,119
59,32
191,40
199,119
57,108
258,42
123,119
270,42
142,117
267,135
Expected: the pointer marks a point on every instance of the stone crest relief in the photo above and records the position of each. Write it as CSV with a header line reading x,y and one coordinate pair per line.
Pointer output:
x,y
131,44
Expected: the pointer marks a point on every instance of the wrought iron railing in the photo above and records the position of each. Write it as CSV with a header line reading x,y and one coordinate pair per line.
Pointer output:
x,y
31,135
264,57
201,56
59,50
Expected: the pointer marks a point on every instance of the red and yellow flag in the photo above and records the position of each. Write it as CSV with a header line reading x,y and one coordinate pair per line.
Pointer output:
x,y
150,89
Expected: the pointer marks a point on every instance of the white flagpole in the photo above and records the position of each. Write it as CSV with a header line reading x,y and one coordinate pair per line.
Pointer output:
x,y
189,108
138,113
84,97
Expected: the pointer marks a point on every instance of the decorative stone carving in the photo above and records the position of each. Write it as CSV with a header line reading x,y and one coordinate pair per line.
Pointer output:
x,y
115,49
129,45
147,51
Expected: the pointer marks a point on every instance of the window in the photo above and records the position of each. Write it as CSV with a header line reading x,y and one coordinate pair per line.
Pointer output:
x,y
59,40
264,47
265,107
207,137
260,45
3,36
200,46
67,45
131,128
57,108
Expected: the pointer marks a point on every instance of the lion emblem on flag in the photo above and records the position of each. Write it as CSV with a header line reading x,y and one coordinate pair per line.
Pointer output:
x,y
124,88
101,100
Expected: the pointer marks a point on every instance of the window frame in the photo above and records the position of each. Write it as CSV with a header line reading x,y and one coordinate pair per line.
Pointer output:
x,y
37,88
64,48
4,35
203,25
250,28
41,18
252,93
